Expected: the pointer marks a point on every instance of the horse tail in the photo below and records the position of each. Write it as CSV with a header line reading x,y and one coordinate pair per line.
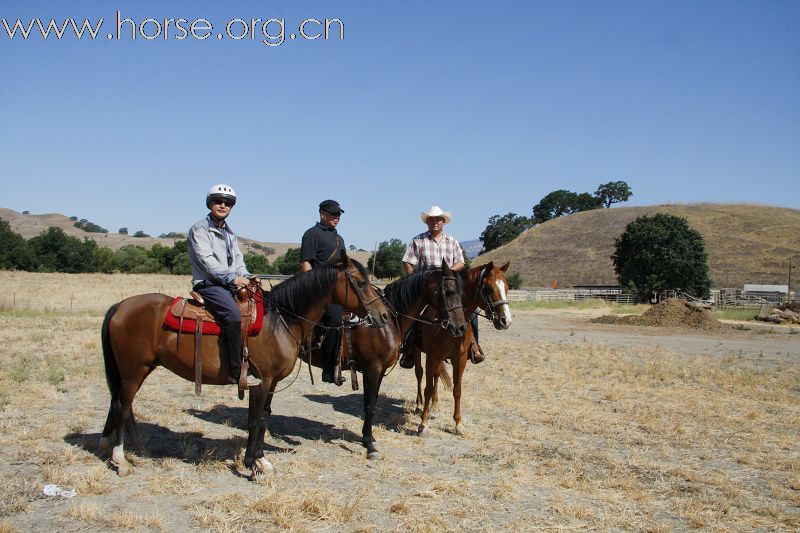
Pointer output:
x,y
444,375
113,377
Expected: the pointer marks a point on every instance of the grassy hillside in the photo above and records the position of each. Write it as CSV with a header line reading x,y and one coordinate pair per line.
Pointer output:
x,y
32,225
745,243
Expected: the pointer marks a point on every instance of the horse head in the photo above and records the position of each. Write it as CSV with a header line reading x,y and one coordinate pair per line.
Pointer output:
x,y
445,287
354,291
491,293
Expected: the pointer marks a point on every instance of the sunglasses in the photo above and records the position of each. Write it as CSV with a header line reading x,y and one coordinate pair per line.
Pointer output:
x,y
223,201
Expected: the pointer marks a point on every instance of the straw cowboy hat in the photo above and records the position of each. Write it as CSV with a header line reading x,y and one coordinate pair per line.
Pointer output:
x,y
436,211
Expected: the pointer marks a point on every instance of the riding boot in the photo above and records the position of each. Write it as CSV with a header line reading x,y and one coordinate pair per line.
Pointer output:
x,y
412,341
232,332
331,372
476,355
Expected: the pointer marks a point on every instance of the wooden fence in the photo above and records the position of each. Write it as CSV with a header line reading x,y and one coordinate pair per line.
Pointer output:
x,y
570,295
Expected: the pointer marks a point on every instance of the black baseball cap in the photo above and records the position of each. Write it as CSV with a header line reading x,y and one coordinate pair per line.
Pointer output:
x,y
331,206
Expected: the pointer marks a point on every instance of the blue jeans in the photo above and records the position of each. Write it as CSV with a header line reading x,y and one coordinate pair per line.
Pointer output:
x,y
220,302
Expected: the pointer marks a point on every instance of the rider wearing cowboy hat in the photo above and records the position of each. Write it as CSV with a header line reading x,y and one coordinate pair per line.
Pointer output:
x,y
428,250
218,271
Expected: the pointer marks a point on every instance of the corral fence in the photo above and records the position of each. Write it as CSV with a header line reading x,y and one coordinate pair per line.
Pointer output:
x,y
727,297
571,295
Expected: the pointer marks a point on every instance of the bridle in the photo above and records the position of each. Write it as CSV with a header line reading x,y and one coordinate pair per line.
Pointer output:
x,y
362,296
483,293
445,311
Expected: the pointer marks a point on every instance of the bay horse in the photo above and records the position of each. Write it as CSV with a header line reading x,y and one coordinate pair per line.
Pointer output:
x,y
375,350
485,287
135,342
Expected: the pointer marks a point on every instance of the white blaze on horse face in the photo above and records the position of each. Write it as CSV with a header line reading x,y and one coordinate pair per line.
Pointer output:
x,y
506,309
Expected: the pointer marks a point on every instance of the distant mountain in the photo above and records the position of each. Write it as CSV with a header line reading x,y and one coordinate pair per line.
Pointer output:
x,y
745,244
471,248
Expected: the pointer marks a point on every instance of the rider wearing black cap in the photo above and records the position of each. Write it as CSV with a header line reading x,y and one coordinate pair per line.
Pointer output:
x,y
322,245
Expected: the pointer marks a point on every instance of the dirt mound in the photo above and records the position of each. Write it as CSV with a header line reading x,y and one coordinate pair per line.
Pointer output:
x,y
670,313
791,306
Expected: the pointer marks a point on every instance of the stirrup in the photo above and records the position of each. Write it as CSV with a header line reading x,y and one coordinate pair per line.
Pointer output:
x,y
476,355
406,361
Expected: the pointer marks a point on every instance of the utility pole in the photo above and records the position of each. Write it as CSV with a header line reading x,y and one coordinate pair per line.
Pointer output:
x,y
375,260
789,288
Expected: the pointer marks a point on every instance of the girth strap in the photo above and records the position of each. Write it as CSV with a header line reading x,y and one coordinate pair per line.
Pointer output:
x,y
348,338
198,360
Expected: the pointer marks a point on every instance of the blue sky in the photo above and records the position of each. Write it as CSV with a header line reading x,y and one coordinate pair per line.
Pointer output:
x,y
480,107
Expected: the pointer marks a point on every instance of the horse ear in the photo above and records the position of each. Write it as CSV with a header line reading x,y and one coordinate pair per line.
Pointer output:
x,y
489,265
504,268
445,267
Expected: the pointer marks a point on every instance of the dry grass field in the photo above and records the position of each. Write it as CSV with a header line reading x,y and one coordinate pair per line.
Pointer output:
x,y
571,426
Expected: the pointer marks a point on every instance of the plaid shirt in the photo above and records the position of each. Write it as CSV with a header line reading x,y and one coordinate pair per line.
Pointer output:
x,y
424,252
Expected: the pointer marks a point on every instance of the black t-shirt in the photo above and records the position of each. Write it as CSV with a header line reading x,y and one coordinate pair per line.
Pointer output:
x,y
318,245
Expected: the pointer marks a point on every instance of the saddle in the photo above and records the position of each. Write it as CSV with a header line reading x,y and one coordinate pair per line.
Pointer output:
x,y
184,313
189,315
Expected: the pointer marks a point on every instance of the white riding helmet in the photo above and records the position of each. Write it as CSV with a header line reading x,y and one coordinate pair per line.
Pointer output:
x,y
220,190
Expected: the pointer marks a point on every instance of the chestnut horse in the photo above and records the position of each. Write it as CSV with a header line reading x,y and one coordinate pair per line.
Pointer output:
x,y
135,342
374,351
486,287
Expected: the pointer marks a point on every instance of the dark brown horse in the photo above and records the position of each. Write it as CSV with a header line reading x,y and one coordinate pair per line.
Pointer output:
x,y
486,287
375,350
135,343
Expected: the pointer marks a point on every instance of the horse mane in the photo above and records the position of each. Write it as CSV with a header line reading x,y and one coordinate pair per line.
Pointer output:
x,y
296,295
405,292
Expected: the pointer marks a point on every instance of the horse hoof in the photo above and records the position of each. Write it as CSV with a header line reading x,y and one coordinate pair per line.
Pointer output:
x,y
375,456
124,470
460,431
423,431
262,466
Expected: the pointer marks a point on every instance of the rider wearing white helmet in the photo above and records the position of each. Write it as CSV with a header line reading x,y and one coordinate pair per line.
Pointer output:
x,y
218,270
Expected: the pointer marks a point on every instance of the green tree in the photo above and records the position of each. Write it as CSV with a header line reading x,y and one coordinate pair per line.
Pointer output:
x,y
258,264
585,202
140,234
181,264
104,259
123,231
613,192
514,280
662,252
15,253
388,259
289,263
503,229
57,252
127,258
89,227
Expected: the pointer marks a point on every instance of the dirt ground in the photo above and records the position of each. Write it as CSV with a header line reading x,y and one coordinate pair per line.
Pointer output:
x,y
571,425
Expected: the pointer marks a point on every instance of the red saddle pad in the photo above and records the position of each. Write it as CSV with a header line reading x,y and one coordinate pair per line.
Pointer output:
x,y
211,328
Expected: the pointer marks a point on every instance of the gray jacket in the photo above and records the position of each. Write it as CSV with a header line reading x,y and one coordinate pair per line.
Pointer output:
x,y
208,254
